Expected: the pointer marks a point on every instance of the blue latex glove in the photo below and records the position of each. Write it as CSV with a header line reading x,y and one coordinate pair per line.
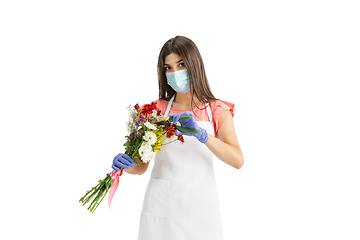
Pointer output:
x,y
122,161
191,124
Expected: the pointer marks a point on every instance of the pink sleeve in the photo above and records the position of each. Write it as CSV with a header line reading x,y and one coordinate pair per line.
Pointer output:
x,y
218,108
162,105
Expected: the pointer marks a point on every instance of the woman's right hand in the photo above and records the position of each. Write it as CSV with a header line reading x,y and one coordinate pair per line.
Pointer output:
x,y
122,161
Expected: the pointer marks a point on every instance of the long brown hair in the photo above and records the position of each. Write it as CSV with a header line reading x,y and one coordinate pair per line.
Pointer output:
x,y
190,54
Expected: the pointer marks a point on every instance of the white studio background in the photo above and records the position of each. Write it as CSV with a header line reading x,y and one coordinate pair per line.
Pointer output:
x,y
68,69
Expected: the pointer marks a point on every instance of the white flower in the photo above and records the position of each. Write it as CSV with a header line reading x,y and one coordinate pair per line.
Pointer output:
x,y
161,118
150,137
154,113
132,118
149,125
131,112
173,138
130,126
146,152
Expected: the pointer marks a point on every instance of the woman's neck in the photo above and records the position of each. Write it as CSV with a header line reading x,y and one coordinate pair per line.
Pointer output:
x,y
183,101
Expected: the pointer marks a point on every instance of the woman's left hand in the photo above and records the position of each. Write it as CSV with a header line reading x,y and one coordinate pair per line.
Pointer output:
x,y
191,124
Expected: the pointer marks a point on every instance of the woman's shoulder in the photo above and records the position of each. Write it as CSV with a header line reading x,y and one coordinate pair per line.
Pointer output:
x,y
219,106
161,104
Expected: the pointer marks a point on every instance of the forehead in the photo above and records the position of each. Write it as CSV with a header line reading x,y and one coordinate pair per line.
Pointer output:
x,y
172,58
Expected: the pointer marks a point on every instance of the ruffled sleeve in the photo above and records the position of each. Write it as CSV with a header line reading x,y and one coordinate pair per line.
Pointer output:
x,y
162,105
219,107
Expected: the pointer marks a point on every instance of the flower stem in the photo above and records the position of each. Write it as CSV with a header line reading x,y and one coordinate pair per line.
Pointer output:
x,y
100,190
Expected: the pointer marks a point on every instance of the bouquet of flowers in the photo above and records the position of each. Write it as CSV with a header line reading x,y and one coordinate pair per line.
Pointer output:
x,y
147,129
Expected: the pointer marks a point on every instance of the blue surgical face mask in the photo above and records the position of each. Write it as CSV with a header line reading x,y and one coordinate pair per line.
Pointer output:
x,y
179,80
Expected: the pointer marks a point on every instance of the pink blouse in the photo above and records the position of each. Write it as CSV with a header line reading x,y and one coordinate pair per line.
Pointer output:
x,y
217,107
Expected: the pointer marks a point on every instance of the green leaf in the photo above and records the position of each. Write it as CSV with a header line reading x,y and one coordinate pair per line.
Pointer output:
x,y
187,130
182,118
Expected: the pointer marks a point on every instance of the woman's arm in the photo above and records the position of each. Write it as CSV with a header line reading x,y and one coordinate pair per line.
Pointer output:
x,y
227,149
139,170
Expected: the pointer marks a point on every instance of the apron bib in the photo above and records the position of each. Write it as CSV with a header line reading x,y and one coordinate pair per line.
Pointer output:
x,y
181,200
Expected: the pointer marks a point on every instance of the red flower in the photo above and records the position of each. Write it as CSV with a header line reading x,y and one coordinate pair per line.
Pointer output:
x,y
137,107
148,109
181,138
170,131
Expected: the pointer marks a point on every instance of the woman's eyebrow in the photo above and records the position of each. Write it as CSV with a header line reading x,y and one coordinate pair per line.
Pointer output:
x,y
176,62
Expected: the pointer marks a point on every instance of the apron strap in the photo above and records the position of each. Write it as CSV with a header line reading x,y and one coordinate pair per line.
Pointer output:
x,y
169,106
206,104
209,111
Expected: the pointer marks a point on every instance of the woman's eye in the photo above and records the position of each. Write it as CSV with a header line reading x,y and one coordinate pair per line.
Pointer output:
x,y
167,68
181,65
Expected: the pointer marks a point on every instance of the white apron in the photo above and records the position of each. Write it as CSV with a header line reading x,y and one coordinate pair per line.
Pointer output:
x,y
181,200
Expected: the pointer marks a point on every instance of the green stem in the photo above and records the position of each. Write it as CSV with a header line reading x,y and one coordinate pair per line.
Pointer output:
x,y
163,144
97,193
181,118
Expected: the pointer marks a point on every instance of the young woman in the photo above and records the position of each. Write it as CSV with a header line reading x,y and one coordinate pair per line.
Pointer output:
x,y
181,200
